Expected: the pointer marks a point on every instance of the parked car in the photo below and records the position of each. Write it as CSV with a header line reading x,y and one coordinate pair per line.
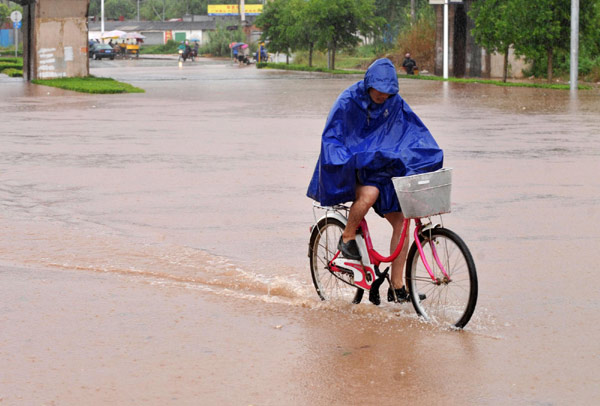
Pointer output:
x,y
99,51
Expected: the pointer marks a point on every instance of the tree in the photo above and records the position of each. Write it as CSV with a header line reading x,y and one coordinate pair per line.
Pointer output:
x,y
219,40
495,26
545,31
341,22
398,16
194,7
114,9
321,24
538,29
154,10
4,13
274,22
545,27
304,28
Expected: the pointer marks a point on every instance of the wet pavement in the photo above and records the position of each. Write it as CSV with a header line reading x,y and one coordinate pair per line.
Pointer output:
x,y
155,245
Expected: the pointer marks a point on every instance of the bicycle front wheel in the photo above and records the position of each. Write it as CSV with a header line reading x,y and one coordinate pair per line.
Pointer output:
x,y
321,250
451,298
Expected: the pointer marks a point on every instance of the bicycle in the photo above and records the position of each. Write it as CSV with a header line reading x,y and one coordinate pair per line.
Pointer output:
x,y
439,263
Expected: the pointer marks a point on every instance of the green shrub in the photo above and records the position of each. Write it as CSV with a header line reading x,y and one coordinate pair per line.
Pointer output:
x,y
10,65
13,72
11,49
219,40
419,40
358,58
170,47
594,75
11,59
589,65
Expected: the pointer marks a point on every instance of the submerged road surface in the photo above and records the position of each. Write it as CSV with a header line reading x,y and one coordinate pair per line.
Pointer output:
x,y
154,246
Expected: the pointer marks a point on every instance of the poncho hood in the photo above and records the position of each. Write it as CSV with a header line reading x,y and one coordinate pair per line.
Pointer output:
x,y
371,142
381,76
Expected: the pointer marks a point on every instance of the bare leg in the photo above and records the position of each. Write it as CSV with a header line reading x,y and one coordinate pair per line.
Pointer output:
x,y
365,199
396,219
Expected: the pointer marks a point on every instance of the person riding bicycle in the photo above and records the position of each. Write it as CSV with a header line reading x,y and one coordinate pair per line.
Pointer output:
x,y
370,136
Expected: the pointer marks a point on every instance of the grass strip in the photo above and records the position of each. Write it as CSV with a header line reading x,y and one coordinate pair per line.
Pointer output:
x,y
90,84
285,66
555,86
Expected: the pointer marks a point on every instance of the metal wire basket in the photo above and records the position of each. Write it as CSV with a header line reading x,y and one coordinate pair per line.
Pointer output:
x,y
426,194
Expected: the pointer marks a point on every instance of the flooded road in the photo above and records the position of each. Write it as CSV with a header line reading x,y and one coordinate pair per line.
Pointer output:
x,y
154,246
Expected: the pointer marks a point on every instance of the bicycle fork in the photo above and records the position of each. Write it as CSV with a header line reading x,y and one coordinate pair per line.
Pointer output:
x,y
418,230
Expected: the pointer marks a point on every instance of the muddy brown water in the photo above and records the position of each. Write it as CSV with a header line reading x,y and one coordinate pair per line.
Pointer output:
x,y
154,246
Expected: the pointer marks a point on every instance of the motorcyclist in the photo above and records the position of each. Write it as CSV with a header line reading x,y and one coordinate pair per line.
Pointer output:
x,y
187,53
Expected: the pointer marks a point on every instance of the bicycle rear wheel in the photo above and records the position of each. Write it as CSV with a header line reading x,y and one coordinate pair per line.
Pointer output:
x,y
448,301
322,248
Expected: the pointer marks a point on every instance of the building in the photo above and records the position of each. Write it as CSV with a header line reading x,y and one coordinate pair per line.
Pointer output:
x,y
189,28
54,38
465,57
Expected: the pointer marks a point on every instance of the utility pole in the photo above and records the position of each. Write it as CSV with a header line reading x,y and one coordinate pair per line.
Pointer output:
x,y
102,18
242,11
574,44
445,39
412,11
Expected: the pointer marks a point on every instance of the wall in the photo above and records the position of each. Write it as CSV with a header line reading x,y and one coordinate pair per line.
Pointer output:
x,y
7,38
57,39
515,65
154,38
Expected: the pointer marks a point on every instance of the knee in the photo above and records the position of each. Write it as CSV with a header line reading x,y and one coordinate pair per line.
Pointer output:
x,y
367,195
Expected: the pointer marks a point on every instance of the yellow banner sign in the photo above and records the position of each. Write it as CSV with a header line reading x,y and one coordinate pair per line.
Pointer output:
x,y
233,9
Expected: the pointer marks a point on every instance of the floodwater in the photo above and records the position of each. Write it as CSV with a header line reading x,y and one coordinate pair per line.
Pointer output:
x,y
154,246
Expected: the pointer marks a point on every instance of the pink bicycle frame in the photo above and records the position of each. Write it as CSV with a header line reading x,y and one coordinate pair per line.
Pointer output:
x,y
376,258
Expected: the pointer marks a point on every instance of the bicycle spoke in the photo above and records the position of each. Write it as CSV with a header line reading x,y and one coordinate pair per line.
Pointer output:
x,y
451,301
330,285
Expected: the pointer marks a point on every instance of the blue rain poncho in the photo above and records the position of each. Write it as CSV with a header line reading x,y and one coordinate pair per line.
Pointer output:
x,y
368,143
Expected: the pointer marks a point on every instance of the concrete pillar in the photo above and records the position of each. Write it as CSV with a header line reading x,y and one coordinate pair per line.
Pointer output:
x,y
55,38
469,53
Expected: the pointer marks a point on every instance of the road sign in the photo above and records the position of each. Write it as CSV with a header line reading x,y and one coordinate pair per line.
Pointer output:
x,y
16,16
17,25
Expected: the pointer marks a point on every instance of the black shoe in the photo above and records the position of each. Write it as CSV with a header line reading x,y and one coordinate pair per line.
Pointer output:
x,y
349,249
402,295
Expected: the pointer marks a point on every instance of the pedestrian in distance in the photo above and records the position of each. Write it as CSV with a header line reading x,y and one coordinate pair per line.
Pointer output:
x,y
409,64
